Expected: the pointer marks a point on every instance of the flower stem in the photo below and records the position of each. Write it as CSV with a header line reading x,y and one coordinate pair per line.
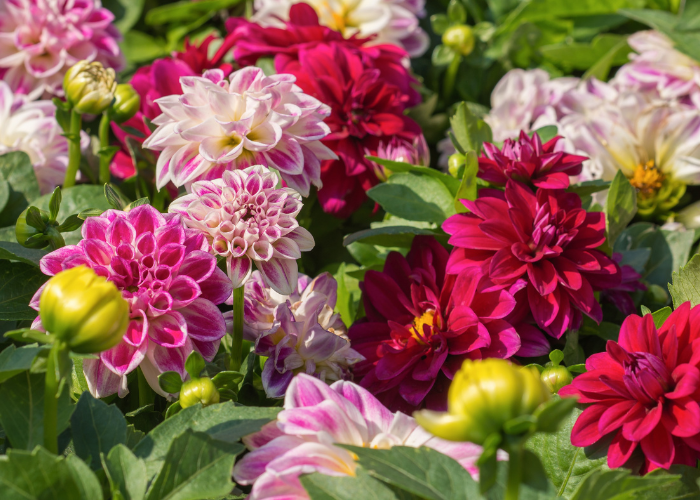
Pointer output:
x,y
76,121
145,392
51,400
515,472
237,341
104,143
451,76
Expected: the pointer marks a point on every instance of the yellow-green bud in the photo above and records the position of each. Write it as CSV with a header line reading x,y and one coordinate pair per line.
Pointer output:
x,y
84,310
126,103
483,396
198,390
556,377
89,87
24,231
459,38
455,162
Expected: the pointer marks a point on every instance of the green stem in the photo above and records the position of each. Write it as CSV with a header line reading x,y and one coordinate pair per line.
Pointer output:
x,y
237,341
104,143
51,400
76,121
451,76
515,472
146,396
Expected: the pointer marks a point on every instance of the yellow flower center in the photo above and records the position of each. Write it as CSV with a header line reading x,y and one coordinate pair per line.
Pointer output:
x,y
427,318
648,179
334,17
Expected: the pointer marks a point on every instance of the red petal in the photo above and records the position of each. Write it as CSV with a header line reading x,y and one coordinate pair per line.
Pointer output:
x,y
620,451
658,447
585,431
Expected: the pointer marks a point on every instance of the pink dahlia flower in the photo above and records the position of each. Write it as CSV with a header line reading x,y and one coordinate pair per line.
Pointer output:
x,y
644,392
421,324
528,160
415,152
216,126
172,285
41,39
246,219
316,418
541,247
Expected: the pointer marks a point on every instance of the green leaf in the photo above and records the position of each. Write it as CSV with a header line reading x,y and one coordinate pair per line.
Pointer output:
x,y
126,473
414,197
90,212
620,207
387,236
439,23
661,315
170,382
138,203
15,251
196,466
28,336
456,12
86,481
72,223
582,56
686,488
323,487
139,47
16,169
194,364
686,284
18,283
546,133
551,415
618,484
185,11
126,12
443,55
687,42
469,131
468,186
588,188
22,410
398,166
14,361
55,203
114,198
601,68
97,428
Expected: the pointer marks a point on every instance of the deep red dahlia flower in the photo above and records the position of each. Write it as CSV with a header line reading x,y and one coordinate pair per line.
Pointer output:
x,y
421,324
543,245
528,160
620,295
644,392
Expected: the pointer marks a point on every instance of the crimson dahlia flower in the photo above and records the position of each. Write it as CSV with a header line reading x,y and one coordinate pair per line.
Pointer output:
x,y
541,247
644,392
421,324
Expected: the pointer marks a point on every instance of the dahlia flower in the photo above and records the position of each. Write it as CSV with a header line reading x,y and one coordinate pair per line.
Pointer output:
x,y
539,246
315,419
421,324
415,152
218,125
528,160
32,127
643,392
41,39
392,22
629,283
246,219
172,286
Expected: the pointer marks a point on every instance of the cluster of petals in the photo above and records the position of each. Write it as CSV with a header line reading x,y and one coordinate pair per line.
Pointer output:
x,y
246,219
41,39
415,152
214,125
528,160
172,285
541,247
315,420
392,22
630,282
297,332
368,88
32,127
421,324
643,392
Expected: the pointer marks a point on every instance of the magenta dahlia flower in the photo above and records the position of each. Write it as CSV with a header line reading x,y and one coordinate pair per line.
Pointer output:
x,y
542,247
316,418
217,125
644,392
415,152
629,283
421,324
528,160
246,219
172,285
41,39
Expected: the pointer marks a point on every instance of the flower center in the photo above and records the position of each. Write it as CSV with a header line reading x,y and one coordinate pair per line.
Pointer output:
x,y
427,318
648,179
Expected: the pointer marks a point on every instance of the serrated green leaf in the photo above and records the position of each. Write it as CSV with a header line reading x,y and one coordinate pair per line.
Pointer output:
x,y
18,283
469,131
97,428
686,284
618,484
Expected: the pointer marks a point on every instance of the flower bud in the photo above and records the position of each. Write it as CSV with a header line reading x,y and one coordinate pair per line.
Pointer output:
x,y
198,390
556,377
484,395
126,103
23,231
84,310
89,87
455,162
459,38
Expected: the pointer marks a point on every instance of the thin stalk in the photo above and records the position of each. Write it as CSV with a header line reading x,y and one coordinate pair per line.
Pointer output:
x,y
76,121
51,400
237,340
515,472
451,76
145,391
104,143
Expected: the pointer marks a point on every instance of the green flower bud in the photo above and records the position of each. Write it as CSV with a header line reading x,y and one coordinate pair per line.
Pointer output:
x,y
459,38
89,87
556,377
484,395
198,390
84,310
455,163
126,103
23,231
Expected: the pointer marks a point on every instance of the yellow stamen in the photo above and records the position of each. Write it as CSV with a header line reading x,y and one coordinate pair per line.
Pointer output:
x,y
647,178
427,318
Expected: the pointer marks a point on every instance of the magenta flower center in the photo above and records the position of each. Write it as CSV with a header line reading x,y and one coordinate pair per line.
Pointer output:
x,y
646,377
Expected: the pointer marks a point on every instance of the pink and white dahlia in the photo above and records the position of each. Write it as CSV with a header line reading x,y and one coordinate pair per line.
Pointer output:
x,y
246,219
32,127
41,39
171,282
297,332
218,125
316,418
401,149
393,22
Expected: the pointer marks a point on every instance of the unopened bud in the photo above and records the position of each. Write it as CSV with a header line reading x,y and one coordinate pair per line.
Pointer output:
x,y
198,390
459,38
89,87
126,103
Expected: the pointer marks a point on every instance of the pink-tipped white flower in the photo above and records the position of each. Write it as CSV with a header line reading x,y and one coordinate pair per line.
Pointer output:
x,y
247,219
32,127
218,125
41,39
415,152
316,418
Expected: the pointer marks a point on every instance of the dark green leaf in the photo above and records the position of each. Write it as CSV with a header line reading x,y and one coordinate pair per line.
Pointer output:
x,y
17,170
170,382
139,47
15,251
29,336
72,223
684,489
37,475
18,283
398,166
126,473
90,212
126,12
14,361
588,188
194,364
113,198
618,484
467,187
34,219
138,203
582,56
551,415
396,236
86,481
323,487
469,131
620,207
97,428
55,203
